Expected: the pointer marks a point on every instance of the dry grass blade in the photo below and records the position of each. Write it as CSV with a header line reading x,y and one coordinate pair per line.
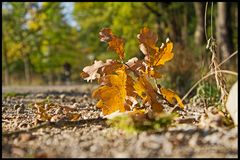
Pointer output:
x,y
203,78
219,77
214,67
208,75
205,20
225,60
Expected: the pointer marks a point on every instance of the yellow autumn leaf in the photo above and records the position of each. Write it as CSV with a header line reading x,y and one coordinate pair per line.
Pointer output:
x,y
153,73
137,113
165,54
124,84
140,90
148,40
171,96
145,90
112,95
154,56
117,45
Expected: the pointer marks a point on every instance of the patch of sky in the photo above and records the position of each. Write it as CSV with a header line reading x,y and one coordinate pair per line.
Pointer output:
x,y
67,11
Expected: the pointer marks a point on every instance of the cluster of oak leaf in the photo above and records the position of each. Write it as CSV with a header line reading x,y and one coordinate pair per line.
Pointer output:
x,y
126,86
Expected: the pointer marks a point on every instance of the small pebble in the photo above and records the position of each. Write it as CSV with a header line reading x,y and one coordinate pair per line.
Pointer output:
x,y
73,99
180,136
151,145
62,96
16,106
46,106
95,148
213,109
82,105
75,105
56,118
21,100
22,105
95,107
20,110
74,129
193,141
18,151
25,137
40,95
85,96
4,109
121,155
59,111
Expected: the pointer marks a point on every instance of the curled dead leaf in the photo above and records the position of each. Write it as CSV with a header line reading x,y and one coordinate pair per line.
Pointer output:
x,y
90,72
165,54
100,69
114,43
154,56
148,40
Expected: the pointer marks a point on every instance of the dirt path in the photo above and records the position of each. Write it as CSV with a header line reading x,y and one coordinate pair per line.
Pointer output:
x,y
89,136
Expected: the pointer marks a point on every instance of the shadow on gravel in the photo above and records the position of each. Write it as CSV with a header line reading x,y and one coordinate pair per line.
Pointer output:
x,y
67,93
78,123
60,124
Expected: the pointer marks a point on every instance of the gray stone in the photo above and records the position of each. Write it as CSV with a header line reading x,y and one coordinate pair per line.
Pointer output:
x,y
232,103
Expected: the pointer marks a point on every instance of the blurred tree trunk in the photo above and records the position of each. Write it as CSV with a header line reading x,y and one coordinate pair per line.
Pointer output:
x,y
175,33
6,70
174,21
185,26
25,57
26,61
199,32
223,30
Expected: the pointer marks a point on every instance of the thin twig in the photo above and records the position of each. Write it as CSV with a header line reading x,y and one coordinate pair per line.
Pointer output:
x,y
210,74
152,10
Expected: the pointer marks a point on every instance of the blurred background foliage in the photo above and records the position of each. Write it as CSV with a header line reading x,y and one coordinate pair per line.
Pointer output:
x,y
38,38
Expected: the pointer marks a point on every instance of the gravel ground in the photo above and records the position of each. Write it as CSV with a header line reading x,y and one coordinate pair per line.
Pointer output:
x,y
88,135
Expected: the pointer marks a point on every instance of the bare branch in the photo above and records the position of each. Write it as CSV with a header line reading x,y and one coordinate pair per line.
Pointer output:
x,y
152,10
